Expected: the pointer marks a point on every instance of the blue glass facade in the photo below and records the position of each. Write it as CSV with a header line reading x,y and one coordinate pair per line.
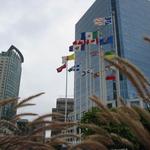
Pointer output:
x,y
131,27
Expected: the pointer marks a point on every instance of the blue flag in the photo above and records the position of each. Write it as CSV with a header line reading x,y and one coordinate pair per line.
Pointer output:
x,y
71,48
106,40
108,20
83,36
74,68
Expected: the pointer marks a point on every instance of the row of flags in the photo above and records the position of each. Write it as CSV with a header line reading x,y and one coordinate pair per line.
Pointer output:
x,y
108,55
79,45
90,38
85,72
93,37
88,71
103,21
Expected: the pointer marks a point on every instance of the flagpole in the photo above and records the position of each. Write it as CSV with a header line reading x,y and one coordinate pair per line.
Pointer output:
x,y
66,91
75,119
99,49
116,50
90,81
89,75
101,69
80,93
86,78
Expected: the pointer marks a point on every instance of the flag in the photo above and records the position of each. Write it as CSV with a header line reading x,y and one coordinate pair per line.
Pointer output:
x,y
64,59
99,21
106,40
76,48
108,20
84,72
111,77
74,68
96,74
110,55
61,68
71,57
71,49
89,71
78,42
79,47
103,21
94,53
94,41
89,35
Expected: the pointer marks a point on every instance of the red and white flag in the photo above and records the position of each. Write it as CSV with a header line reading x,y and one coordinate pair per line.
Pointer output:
x,y
61,68
78,42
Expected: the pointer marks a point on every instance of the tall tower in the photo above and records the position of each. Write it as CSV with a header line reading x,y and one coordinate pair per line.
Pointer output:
x,y
10,74
131,25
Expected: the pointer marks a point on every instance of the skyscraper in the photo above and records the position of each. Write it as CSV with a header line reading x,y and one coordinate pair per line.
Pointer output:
x,y
10,74
131,23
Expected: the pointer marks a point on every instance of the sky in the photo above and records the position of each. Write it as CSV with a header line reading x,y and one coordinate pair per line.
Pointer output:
x,y
42,30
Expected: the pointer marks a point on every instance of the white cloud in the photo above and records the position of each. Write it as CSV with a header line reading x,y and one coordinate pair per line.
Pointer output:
x,y
42,30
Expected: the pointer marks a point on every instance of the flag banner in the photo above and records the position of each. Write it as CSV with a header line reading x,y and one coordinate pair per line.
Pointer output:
x,y
103,21
94,41
89,35
79,47
94,53
96,75
106,40
64,59
111,77
61,68
99,21
74,68
71,57
89,71
71,49
97,53
76,48
78,42
112,52
84,72
110,55
108,20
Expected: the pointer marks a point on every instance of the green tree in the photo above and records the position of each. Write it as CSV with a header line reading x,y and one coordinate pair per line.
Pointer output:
x,y
101,119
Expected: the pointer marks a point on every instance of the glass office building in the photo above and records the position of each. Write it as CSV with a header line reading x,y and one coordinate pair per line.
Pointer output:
x,y
132,23
10,74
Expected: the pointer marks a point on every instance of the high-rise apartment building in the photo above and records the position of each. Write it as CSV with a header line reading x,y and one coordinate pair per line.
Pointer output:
x,y
10,74
131,23
60,108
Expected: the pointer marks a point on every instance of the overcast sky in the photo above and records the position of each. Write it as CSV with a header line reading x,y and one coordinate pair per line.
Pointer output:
x,y
42,30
